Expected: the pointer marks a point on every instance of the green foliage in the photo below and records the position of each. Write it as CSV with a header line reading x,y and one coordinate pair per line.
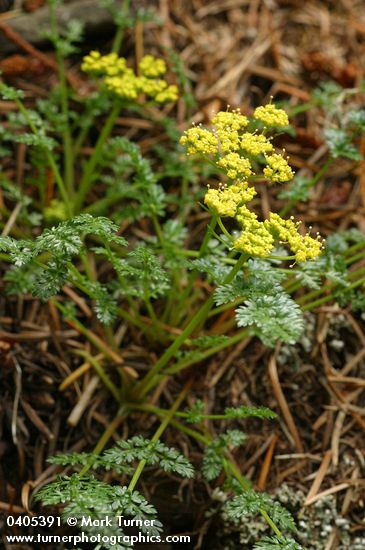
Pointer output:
x,y
196,413
277,543
214,457
20,280
251,502
105,303
247,412
122,16
205,342
331,265
327,94
86,496
356,118
153,452
9,93
340,144
124,453
143,274
50,111
298,190
212,266
15,194
266,306
37,137
59,245
261,279
64,41
273,318
132,180
183,81
159,191
340,241
37,140
174,235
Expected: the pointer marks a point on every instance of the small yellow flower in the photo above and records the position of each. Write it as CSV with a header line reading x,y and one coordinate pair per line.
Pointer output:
x,y
122,80
271,115
92,62
170,93
228,125
278,169
230,119
256,144
255,239
125,86
109,64
151,67
304,247
235,166
200,140
226,200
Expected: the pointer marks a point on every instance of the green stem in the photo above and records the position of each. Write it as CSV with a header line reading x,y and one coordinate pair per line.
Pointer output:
x,y
329,297
273,526
67,140
51,160
89,172
158,230
224,230
118,38
117,420
158,434
198,318
79,140
186,363
102,375
122,280
314,293
354,248
192,276
230,467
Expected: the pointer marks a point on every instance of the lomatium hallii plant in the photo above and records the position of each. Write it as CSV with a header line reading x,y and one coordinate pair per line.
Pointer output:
x,y
149,279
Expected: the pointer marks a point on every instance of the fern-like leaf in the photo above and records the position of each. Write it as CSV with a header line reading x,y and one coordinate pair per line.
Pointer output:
x,y
277,543
275,318
214,457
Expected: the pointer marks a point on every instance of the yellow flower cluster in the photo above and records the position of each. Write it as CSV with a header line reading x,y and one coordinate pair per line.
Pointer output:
x,y
200,140
255,239
233,120
235,166
151,67
304,247
226,200
125,85
258,238
122,80
278,169
230,143
97,64
271,115
228,125
256,144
